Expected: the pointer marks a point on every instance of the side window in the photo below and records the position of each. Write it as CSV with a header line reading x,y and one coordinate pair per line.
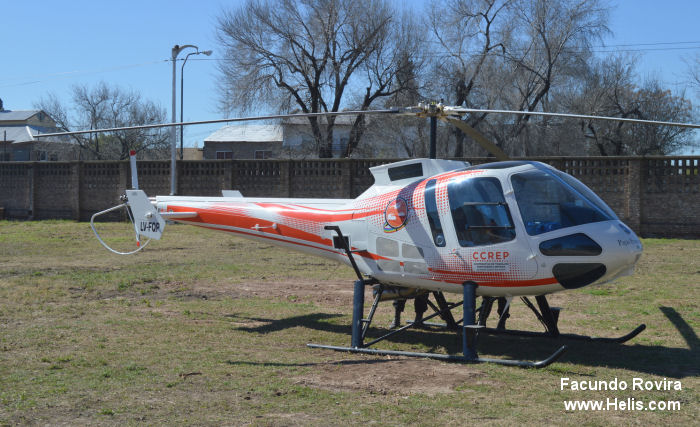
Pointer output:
x,y
433,216
480,212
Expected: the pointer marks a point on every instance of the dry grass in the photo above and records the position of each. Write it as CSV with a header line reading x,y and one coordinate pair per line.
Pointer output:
x,y
204,328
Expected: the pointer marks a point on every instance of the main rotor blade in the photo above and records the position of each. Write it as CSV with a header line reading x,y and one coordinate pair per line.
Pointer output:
x,y
204,122
461,111
478,137
419,111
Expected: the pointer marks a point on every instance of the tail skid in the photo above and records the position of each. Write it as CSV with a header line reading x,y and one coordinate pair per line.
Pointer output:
x,y
143,215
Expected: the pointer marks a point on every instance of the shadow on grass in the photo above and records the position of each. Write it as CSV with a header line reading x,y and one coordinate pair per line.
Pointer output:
x,y
683,327
310,364
650,359
317,321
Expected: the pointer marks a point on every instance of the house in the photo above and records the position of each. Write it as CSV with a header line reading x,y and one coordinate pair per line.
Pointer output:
x,y
291,138
244,142
19,142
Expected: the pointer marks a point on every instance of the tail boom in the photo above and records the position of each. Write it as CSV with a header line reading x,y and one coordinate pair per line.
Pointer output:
x,y
293,223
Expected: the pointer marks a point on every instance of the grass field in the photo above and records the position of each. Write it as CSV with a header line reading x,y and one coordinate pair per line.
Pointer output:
x,y
208,329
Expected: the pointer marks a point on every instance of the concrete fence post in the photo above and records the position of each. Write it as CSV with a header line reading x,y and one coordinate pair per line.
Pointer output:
x,y
76,178
125,176
33,174
234,174
634,193
286,170
346,168
228,176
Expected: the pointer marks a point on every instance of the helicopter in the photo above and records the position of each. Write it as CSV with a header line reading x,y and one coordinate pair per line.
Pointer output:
x,y
428,226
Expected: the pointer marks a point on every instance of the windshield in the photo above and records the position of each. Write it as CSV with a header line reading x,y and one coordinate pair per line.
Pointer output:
x,y
479,212
586,192
547,204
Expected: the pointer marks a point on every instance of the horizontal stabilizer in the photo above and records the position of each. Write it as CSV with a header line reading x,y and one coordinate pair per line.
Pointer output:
x,y
178,215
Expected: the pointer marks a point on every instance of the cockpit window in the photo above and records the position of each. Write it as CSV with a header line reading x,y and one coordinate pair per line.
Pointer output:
x,y
480,212
547,204
586,192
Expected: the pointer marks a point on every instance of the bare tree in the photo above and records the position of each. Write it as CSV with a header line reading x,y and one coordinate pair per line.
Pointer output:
x,y
472,37
694,72
552,36
609,89
658,103
309,54
401,136
605,90
512,54
106,107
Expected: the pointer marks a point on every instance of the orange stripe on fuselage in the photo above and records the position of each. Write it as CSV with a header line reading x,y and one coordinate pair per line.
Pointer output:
x,y
319,216
239,220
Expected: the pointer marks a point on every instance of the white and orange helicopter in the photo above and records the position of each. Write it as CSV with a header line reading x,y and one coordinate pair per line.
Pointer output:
x,y
428,226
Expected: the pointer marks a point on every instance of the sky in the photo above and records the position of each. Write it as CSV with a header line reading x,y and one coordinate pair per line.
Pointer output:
x,y
50,46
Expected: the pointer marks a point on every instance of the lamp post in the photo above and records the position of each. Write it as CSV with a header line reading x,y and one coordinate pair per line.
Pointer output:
x,y
182,96
173,133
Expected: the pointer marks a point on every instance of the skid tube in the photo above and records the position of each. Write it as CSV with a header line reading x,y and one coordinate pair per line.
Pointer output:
x,y
619,340
549,317
470,332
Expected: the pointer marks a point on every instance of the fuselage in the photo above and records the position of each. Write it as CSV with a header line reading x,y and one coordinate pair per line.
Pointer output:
x,y
514,228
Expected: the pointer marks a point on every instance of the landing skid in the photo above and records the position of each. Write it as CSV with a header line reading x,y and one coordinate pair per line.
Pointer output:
x,y
447,357
470,328
549,317
470,331
618,340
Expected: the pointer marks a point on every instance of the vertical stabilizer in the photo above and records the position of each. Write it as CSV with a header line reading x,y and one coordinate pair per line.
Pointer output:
x,y
147,220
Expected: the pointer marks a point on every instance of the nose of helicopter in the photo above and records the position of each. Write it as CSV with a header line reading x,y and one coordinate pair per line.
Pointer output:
x,y
622,251
603,252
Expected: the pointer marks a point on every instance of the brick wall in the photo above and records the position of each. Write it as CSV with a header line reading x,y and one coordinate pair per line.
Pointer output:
x,y
656,196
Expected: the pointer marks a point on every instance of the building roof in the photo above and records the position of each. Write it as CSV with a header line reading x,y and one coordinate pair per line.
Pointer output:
x,y
25,133
247,133
339,120
20,115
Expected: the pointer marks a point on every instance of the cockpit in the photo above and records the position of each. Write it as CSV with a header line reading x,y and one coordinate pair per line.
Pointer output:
x,y
546,198
528,211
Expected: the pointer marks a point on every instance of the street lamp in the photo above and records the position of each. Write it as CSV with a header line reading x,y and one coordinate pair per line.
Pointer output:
x,y
182,95
173,143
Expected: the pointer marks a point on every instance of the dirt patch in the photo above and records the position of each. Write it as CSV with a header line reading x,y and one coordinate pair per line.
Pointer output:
x,y
328,293
401,376
332,293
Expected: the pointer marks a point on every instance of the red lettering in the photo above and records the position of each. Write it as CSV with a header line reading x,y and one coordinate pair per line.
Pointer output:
x,y
487,255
